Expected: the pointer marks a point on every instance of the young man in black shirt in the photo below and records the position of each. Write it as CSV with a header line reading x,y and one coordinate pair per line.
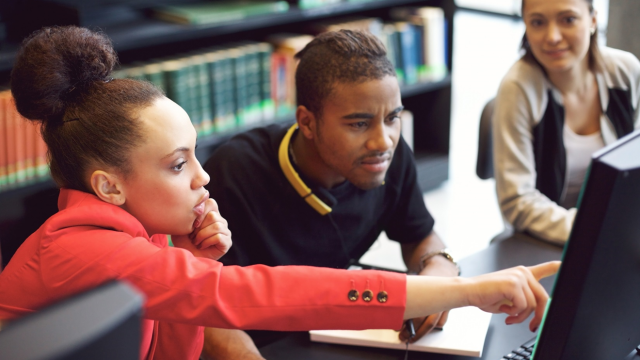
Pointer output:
x,y
320,192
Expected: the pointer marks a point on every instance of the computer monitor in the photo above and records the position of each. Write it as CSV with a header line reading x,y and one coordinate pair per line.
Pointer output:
x,y
103,323
594,310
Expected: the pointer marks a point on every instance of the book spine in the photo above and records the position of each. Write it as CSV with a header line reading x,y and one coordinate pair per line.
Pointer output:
x,y
228,92
279,84
204,86
176,83
420,50
11,146
3,141
435,34
222,92
42,168
30,148
254,92
407,41
239,61
153,73
267,103
394,40
192,93
20,143
201,94
216,76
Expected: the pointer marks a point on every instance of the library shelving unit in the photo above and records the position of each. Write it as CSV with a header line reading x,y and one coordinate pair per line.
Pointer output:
x,y
140,37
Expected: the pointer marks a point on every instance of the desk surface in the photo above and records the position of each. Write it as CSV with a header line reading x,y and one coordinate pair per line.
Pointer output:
x,y
519,249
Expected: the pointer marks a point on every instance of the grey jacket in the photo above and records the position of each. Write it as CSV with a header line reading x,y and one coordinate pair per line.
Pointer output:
x,y
529,154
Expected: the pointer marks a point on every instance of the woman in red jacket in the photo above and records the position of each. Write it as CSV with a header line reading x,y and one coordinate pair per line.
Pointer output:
x,y
123,156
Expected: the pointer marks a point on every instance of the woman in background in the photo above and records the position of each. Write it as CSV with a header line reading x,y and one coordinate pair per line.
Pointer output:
x,y
562,101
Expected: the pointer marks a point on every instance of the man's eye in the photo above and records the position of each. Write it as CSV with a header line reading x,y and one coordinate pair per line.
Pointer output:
x,y
394,119
179,167
359,124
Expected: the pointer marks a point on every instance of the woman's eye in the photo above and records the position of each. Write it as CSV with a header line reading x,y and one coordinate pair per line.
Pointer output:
x,y
570,19
536,22
359,124
179,167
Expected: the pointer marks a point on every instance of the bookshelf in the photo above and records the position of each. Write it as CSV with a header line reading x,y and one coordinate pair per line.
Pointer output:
x,y
140,38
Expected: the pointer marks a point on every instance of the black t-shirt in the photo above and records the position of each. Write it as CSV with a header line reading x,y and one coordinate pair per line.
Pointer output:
x,y
272,225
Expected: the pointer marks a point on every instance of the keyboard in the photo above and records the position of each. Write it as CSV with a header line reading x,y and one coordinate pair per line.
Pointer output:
x,y
523,352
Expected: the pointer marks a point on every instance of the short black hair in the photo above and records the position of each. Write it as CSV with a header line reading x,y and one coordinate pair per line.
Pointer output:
x,y
343,56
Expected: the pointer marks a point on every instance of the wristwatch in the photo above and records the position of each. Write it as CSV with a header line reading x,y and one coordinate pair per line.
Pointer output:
x,y
443,252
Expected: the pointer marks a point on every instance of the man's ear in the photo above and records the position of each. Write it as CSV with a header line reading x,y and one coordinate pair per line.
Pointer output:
x,y
108,187
307,122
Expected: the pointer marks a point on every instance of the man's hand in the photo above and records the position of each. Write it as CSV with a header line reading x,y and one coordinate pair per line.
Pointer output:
x,y
514,291
223,344
211,238
436,266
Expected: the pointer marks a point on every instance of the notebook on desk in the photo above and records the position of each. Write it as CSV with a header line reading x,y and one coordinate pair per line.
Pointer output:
x,y
463,334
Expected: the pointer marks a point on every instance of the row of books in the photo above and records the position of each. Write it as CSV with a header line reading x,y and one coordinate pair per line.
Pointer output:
x,y
416,41
23,153
226,89
221,89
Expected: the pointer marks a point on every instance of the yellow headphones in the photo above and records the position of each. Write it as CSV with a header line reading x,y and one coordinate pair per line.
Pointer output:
x,y
290,173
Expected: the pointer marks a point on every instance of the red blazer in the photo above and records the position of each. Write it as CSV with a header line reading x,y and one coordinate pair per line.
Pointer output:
x,y
89,242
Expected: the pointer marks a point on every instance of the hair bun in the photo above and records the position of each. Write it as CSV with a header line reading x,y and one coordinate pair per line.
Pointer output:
x,y
55,65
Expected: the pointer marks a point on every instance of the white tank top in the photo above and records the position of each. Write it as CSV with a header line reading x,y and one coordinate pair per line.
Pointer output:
x,y
579,149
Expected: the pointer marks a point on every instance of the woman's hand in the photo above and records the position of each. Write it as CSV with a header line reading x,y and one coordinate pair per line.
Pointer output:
x,y
211,238
514,291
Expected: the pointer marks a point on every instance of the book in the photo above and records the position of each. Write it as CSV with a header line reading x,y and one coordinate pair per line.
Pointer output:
x,y
432,25
267,104
10,140
408,52
202,83
464,334
30,148
222,89
42,167
212,13
238,58
153,73
394,49
285,47
3,140
177,88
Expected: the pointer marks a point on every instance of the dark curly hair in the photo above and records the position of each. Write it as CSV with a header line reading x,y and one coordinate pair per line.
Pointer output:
x,y
61,78
343,56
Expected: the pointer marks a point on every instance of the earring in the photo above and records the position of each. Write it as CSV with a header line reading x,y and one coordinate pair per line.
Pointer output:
x,y
593,30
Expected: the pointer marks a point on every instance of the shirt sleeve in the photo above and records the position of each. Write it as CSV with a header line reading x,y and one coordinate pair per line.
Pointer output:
x,y
521,204
410,220
183,289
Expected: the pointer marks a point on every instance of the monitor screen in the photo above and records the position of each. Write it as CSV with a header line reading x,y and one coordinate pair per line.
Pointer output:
x,y
102,323
594,308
